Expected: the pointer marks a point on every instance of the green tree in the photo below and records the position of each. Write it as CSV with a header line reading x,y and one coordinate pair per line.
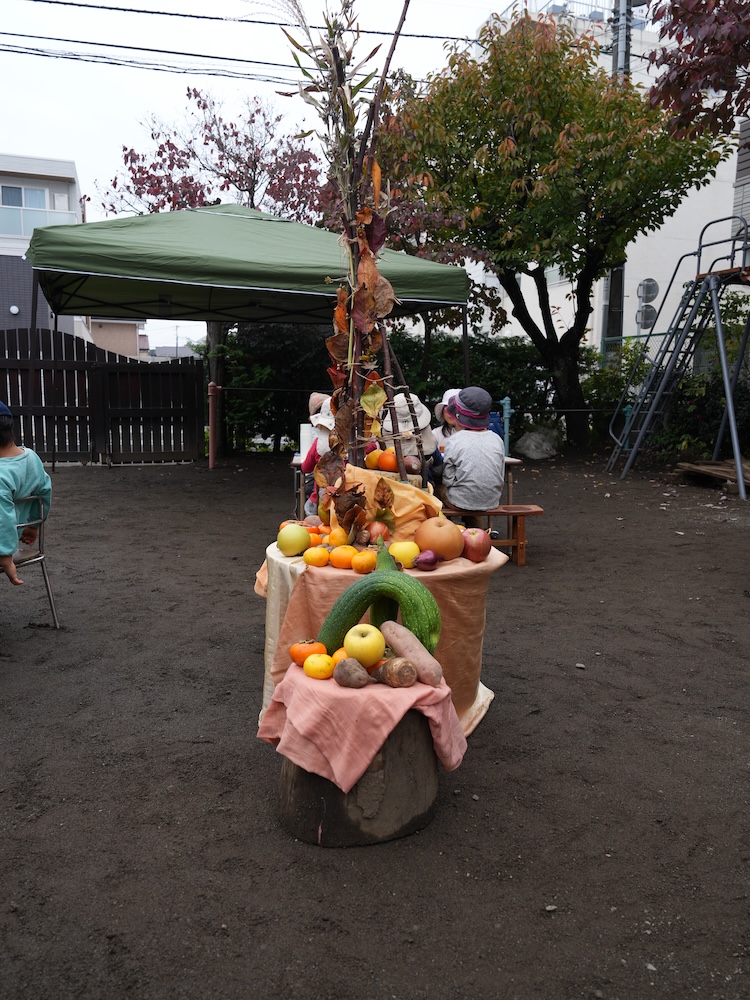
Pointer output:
x,y
539,159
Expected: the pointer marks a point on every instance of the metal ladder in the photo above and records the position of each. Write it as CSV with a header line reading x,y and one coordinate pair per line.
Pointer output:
x,y
670,354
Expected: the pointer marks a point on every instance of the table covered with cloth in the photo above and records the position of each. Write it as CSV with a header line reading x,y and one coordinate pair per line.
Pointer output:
x,y
299,597
335,732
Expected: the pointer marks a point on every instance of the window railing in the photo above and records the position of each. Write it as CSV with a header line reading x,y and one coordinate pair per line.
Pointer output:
x,y
23,221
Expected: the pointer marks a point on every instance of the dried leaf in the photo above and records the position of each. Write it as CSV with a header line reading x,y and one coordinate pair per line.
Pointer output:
x,y
367,271
340,314
385,297
372,399
337,376
338,346
372,343
376,182
353,521
364,216
375,231
344,420
383,495
351,508
330,468
364,311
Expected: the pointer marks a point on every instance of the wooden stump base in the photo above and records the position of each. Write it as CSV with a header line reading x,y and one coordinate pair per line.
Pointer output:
x,y
393,798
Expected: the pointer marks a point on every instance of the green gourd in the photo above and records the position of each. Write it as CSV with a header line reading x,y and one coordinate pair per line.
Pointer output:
x,y
419,609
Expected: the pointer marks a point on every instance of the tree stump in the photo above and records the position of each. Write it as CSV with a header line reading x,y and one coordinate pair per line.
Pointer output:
x,y
393,798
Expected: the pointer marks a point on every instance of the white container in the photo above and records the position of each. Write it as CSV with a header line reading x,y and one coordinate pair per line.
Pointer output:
x,y
305,438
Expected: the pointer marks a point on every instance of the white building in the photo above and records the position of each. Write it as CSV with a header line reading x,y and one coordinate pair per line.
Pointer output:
x,y
33,192
37,192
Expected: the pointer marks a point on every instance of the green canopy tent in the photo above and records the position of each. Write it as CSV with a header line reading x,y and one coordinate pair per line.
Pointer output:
x,y
222,262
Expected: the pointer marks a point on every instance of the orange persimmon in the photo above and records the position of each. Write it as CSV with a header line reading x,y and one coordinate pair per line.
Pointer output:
x,y
299,651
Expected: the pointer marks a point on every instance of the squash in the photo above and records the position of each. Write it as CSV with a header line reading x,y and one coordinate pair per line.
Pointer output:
x,y
419,609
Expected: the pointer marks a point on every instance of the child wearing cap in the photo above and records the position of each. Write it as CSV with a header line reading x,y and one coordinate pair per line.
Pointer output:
x,y
474,457
21,475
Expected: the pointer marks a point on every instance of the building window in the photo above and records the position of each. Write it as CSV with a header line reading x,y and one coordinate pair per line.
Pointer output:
x,y
12,196
34,198
554,276
24,209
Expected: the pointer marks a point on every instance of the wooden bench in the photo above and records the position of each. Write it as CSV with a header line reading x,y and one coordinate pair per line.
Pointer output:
x,y
515,518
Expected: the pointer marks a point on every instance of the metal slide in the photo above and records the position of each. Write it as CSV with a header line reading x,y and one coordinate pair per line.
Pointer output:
x,y
670,354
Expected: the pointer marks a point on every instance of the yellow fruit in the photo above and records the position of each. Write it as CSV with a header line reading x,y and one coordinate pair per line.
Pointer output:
x,y
293,539
338,536
317,555
319,665
404,552
371,458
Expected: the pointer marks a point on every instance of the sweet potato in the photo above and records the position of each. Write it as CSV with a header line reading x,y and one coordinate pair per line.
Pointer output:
x,y
405,643
350,673
396,672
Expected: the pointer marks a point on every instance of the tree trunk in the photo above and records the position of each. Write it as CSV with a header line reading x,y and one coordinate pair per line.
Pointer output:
x,y
216,338
562,360
560,355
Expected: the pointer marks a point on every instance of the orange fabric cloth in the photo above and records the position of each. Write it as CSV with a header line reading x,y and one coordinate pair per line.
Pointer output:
x,y
335,732
411,504
299,598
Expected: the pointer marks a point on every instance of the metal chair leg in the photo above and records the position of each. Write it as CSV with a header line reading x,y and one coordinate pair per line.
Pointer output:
x,y
49,594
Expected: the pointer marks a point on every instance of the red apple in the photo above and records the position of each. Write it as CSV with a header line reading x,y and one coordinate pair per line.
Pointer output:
x,y
477,544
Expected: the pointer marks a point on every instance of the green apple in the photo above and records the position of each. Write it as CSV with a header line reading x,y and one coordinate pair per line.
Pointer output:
x,y
293,539
365,643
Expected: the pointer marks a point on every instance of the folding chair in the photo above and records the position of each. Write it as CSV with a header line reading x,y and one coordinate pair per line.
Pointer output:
x,y
27,555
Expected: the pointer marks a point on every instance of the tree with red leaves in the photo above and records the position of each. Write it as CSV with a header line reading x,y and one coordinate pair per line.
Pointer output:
x,y
705,84
211,157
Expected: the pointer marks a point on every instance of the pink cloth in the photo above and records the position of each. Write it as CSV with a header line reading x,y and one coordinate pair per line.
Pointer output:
x,y
335,732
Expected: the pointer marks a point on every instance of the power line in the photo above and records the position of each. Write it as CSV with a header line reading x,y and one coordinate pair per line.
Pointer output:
x,y
135,64
241,20
140,48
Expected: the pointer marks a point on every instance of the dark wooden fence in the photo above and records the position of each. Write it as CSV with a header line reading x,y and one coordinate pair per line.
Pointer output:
x,y
76,402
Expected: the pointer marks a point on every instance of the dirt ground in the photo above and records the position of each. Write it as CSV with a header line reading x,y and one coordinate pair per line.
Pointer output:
x,y
594,842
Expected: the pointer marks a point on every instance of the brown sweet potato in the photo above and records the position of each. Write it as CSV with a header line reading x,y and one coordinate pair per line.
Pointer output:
x,y
403,642
350,673
397,672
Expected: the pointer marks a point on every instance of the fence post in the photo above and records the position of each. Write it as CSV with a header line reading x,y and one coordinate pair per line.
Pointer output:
x,y
508,412
213,391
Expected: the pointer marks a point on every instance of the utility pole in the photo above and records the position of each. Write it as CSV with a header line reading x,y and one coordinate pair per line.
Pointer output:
x,y
622,21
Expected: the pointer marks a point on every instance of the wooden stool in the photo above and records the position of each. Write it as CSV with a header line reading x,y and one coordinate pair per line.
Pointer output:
x,y
515,515
394,797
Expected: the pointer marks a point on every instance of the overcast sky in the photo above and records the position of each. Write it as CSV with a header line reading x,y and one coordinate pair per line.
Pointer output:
x,y
86,111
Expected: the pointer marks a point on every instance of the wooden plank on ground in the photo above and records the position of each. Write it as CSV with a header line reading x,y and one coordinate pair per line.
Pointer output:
x,y
725,471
